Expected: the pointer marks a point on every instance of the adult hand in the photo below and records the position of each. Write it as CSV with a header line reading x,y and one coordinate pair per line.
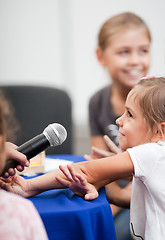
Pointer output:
x,y
12,153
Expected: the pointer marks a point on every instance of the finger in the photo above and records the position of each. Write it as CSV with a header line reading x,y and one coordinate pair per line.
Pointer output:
x,y
100,152
62,181
88,157
111,145
16,155
12,145
73,174
91,196
11,172
20,168
66,172
5,175
82,179
6,186
21,158
96,152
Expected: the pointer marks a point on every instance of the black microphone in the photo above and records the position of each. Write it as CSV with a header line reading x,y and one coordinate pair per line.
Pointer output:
x,y
53,135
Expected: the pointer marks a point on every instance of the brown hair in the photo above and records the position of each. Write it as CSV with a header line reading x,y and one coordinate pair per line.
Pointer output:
x,y
12,126
151,97
117,23
2,125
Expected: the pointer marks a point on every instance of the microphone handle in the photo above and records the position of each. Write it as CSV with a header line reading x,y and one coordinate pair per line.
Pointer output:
x,y
30,148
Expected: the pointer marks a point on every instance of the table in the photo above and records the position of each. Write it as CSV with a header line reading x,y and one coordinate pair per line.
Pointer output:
x,y
69,217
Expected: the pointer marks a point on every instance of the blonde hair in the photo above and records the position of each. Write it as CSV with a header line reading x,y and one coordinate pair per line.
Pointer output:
x,y
118,23
150,93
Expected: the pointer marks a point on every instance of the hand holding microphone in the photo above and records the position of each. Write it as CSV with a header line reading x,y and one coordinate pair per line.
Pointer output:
x,y
53,135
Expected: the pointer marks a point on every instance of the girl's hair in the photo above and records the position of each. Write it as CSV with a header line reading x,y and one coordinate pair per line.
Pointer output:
x,y
2,124
150,93
12,125
117,23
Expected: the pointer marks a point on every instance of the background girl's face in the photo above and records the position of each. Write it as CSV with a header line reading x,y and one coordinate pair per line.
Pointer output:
x,y
133,127
127,56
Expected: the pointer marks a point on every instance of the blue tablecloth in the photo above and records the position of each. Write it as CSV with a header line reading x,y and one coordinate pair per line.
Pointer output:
x,y
69,217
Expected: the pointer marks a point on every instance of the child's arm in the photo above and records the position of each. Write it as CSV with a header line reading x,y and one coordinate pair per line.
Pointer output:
x,y
119,196
101,172
108,169
79,185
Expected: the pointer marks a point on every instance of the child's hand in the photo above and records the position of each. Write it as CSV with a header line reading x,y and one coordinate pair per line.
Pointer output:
x,y
15,184
77,183
99,153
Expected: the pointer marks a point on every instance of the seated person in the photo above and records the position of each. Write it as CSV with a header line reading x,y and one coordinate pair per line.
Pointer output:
x,y
19,218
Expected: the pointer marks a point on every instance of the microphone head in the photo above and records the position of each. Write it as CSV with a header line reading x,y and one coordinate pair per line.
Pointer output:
x,y
55,133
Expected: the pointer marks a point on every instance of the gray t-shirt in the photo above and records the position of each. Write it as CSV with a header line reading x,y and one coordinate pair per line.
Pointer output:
x,y
102,119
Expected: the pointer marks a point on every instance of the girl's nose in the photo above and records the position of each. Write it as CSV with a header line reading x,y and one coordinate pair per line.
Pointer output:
x,y
134,59
119,121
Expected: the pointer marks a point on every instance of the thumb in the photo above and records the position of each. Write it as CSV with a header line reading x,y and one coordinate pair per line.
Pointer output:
x,y
91,196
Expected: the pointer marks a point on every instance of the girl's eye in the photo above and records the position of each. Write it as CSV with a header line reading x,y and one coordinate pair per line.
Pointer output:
x,y
129,114
144,51
124,52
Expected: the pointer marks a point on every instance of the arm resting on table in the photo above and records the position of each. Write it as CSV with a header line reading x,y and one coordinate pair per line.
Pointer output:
x,y
101,172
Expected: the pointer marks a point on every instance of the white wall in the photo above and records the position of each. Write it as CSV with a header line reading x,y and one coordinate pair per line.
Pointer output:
x,y
52,42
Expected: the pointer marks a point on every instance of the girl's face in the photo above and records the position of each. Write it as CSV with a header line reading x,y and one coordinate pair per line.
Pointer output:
x,y
127,56
133,128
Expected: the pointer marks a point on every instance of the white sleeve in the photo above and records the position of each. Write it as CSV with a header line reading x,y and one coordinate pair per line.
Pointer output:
x,y
144,158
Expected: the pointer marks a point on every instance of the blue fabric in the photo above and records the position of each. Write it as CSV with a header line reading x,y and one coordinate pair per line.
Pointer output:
x,y
69,217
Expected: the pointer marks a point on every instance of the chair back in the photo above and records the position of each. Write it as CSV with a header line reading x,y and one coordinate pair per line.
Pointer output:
x,y
35,108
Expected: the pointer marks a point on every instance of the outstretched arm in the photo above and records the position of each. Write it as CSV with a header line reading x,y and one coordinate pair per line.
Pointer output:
x,y
79,185
100,172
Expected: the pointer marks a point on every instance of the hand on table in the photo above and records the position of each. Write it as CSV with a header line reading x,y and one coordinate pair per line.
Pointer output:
x,y
77,183
99,153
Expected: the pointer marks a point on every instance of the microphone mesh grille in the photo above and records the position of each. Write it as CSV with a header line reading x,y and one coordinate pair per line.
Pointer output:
x,y
55,134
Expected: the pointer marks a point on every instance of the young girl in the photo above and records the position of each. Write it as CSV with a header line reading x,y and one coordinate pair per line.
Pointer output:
x,y
18,217
124,50
142,138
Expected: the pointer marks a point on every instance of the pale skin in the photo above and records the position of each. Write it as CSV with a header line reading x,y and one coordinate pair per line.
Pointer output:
x,y
134,131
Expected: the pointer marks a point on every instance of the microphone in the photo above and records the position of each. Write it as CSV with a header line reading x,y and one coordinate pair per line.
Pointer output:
x,y
53,135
